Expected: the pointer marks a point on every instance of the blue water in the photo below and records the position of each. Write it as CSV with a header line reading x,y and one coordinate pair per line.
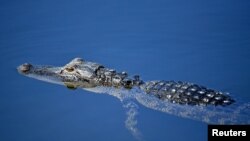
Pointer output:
x,y
205,42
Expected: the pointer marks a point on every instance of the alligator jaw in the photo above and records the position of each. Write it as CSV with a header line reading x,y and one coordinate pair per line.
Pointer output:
x,y
76,73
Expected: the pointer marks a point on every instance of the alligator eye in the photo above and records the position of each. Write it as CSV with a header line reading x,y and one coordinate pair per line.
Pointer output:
x,y
70,69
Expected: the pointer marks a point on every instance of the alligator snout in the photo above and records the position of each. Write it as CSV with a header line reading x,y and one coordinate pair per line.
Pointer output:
x,y
24,68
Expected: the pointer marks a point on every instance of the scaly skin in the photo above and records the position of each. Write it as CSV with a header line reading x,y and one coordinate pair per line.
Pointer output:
x,y
84,74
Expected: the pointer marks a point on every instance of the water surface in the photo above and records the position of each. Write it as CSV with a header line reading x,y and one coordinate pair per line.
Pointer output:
x,y
205,42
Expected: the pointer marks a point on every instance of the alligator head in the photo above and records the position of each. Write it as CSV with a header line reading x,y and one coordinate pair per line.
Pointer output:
x,y
77,73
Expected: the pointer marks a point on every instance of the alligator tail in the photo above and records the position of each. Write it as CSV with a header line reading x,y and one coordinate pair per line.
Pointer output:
x,y
186,93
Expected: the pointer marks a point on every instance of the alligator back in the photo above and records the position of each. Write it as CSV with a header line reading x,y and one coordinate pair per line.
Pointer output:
x,y
186,93
97,78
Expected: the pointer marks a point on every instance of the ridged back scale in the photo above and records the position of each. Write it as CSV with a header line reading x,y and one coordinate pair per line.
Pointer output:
x,y
186,93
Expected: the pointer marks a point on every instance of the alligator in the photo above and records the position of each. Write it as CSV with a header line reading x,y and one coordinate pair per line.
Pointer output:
x,y
175,97
80,73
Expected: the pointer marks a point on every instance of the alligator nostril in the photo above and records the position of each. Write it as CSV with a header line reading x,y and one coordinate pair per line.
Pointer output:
x,y
25,67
